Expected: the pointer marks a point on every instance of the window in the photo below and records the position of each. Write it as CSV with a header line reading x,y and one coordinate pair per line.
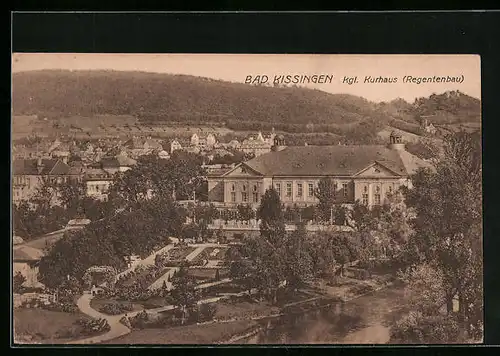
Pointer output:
x,y
377,196
233,196
310,191
365,198
344,188
255,197
232,188
299,190
244,196
335,187
289,190
389,190
278,188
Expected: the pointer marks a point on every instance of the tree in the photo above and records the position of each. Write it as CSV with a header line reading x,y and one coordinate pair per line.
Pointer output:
x,y
183,292
245,212
18,281
178,177
325,192
71,195
270,213
344,249
298,259
394,228
450,198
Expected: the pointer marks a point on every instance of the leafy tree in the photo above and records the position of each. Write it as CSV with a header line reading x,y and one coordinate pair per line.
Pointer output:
x,y
298,260
245,212
344,248
450,198
183,292
325,192
71,195
18,281
179,176
270,213
323,261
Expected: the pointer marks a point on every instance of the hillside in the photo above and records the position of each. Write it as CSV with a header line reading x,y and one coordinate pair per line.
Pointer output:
x,y
451,107
110,103
178,98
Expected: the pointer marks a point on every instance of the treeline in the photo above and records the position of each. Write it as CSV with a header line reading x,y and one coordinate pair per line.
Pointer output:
x,y
455,103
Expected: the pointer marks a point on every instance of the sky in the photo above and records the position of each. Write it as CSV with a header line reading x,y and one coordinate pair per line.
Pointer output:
x,y
237,67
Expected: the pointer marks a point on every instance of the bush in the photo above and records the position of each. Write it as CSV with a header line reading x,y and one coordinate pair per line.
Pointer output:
x,y
93,326
61,307
207,312
415,328
116,308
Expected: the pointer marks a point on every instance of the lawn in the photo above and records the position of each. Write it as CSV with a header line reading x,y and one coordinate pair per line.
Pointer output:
x,y
189,334
203,274
215,253
44,242
44,326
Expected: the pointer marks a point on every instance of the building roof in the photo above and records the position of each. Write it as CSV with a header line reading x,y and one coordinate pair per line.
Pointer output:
x,y
333,160
95,173
117,161
30,167
27,254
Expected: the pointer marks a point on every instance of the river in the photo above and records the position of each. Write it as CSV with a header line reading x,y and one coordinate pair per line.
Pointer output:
x,y
364,320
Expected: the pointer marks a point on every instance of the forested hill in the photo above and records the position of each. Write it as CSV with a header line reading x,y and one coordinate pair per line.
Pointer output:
x,y
448,107
178,98
166,98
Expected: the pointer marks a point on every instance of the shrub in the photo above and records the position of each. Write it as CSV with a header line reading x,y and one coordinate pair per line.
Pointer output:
x,y
207,312
116,308
61,307
93,326
415,328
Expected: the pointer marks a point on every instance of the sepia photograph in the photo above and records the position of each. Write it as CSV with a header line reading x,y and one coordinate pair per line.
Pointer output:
x,y
266,199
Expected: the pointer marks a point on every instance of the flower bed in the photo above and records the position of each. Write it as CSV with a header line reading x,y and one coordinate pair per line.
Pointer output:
x,y
115,308
179,253
202,257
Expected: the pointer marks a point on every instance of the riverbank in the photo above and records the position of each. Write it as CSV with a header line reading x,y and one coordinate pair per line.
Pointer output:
x,y
308,306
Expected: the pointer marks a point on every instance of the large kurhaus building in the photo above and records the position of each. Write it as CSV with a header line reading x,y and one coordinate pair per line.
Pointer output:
x,y
366,173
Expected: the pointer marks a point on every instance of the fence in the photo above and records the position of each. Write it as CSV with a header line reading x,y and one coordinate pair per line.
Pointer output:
x,y
253,225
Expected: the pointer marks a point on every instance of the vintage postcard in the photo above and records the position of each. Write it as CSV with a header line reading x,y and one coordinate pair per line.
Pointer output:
x,y
246,199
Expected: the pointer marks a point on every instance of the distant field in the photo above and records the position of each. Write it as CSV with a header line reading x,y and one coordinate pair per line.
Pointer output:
x,y
100,126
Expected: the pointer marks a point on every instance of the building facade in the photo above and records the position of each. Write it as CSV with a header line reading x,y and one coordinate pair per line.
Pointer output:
x,y
364,173
29,174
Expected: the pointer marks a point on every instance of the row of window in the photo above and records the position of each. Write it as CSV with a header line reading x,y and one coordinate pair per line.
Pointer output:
x,y
376,196
299,192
